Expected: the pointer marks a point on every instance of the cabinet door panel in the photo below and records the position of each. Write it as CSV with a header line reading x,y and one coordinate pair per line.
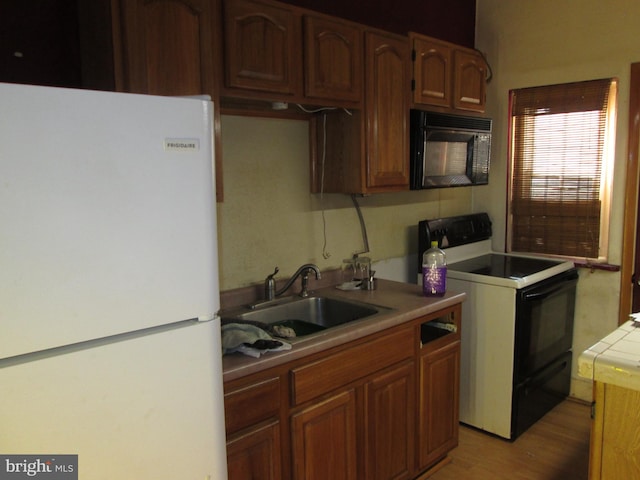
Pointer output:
x,y
255,455
470,81
167,47
389,424
333,59
432,73
262,45
387,88
161,25
439,385
620,444
324,439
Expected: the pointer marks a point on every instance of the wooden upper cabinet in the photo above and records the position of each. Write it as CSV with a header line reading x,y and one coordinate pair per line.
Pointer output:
x,y
447,76
432,72
279,52
168,47
469,91
333,59
164,47
387,112
366,151
262,47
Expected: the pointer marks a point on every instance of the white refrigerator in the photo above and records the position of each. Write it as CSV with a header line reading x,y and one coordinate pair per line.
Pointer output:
x,y
109,333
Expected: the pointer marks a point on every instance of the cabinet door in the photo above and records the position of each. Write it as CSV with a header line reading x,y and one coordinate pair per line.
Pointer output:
x,y
432,72
387,112
324,439
165,47
333,59
615,447
255,455
262,47
469,91
439,400
389,424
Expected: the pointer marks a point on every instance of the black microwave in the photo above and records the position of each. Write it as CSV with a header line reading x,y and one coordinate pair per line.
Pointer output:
x,y
449,150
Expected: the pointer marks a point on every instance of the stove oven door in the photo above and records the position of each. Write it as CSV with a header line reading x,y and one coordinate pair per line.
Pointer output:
x,y
542,356
544,323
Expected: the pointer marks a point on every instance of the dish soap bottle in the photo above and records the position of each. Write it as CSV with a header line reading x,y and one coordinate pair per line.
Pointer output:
x,y
434,272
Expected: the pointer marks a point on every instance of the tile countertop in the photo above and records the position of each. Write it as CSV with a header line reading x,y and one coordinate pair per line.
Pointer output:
x,y
404,302
615,359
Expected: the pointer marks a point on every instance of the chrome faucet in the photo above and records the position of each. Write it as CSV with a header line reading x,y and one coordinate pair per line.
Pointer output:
x,y
270,283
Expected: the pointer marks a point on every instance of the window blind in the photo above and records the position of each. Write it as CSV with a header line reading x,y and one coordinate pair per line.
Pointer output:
x,y
558,137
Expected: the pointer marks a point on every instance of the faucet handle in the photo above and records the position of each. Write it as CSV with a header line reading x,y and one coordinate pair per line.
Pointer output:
x,y
273,274
270,286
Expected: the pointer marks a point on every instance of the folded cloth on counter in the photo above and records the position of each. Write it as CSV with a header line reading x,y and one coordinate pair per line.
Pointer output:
x,y
249,340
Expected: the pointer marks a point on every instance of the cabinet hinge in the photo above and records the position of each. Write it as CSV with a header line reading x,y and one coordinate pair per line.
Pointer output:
x,y
593,410
413,54
413,85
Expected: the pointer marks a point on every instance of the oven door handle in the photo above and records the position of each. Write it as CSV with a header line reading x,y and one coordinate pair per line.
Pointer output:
x,y
541,295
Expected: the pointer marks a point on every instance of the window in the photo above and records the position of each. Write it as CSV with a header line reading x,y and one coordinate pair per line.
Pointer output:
x,y
562,139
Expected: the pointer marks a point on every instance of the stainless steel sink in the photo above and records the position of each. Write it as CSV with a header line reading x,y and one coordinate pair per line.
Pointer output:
x,y
309,315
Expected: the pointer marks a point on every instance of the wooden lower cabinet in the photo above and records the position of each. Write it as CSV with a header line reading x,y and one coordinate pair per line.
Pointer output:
x,y
370,424
439,403
252,423
389,424
324,439
384,407
615,441
255,455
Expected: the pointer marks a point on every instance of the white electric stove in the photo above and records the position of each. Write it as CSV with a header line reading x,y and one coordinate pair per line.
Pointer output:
x,y
517,325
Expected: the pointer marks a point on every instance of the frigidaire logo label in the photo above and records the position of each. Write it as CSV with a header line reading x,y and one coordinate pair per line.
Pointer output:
x,y
181,144
49,467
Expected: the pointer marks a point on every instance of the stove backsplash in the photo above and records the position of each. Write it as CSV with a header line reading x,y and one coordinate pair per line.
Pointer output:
x,y
453,232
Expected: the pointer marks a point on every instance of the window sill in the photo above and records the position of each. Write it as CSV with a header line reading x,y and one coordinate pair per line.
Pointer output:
x,y
607,267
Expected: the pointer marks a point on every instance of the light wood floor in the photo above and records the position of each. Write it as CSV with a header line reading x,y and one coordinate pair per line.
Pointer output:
x,y
555,448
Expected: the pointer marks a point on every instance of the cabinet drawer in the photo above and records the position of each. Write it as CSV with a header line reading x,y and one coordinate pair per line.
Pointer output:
x,y
440,330
252,404
327,374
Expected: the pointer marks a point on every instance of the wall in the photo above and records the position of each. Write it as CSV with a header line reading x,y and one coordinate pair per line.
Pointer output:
x,y
40,43
452,20
540,42
269,218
